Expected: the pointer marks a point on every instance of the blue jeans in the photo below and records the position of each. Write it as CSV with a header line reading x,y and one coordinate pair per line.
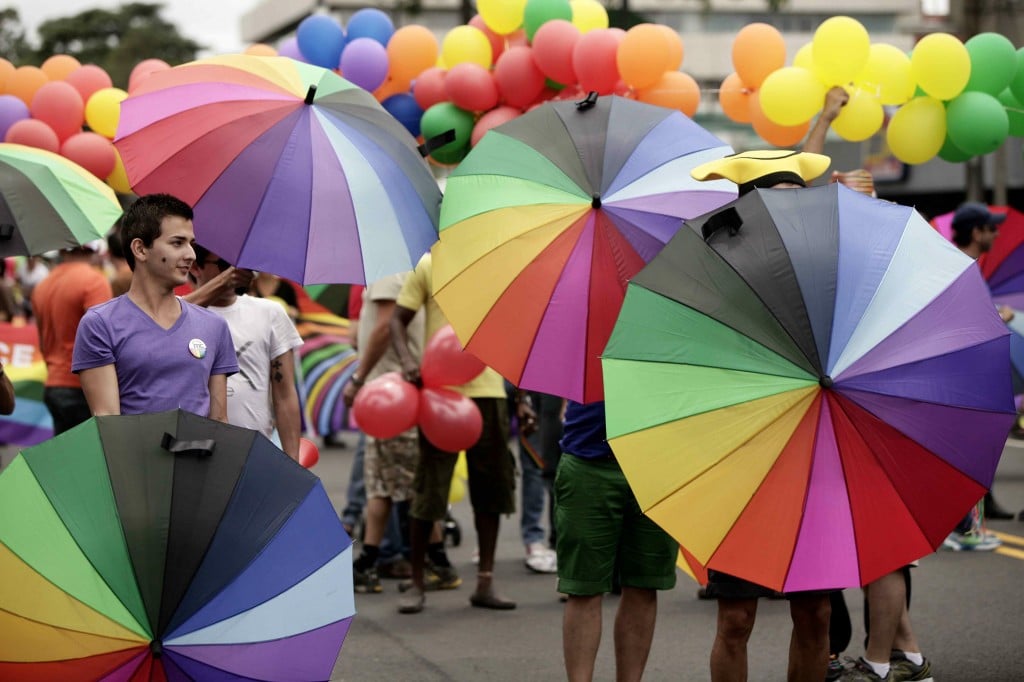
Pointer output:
x,y
391,546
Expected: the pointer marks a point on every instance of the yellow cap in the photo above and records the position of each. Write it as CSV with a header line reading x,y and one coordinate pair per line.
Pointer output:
x,y
746,167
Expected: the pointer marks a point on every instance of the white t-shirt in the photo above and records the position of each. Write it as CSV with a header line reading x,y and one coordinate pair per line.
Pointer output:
x,y
261,331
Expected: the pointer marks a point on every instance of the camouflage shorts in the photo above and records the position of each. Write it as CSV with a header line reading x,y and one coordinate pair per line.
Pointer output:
x,y
389,465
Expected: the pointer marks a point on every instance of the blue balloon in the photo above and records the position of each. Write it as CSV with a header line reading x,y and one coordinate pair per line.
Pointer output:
x,y
404,108
371,23
321,40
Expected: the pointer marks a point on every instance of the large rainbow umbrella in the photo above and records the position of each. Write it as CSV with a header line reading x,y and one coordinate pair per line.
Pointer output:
x,y
809,388
546,220
291,169
168,546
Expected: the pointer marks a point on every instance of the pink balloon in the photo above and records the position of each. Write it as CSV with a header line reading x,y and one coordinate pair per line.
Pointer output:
x,y
386,406
87,79
449,420
59,106
445,363
144,69
33,133
428,88
594,59
553,45
91,151
492,119
471,87
309,454
518,77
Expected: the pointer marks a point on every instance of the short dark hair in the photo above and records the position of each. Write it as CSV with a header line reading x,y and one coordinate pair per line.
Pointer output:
x,y
143,220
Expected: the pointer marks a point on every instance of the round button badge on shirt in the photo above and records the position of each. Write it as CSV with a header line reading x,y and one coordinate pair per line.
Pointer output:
x,y
197,348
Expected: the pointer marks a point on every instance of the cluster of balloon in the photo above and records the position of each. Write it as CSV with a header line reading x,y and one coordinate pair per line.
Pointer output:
x,y
389,405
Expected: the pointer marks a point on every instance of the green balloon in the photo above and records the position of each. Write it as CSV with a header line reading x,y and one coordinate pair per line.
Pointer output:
x,y
1014,111
977,123
1017,82
951,153
993,63
441,118
537,12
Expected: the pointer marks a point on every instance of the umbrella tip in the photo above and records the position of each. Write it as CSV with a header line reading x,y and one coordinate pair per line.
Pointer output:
x,y
310,94
595,201
156,648
588,102
825,382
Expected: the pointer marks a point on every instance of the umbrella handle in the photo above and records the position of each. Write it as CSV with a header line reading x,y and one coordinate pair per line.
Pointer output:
x,y
200,448
729,219
436,142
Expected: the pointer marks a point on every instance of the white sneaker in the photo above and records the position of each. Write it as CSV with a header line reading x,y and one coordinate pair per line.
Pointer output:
x,y
540,559
979,541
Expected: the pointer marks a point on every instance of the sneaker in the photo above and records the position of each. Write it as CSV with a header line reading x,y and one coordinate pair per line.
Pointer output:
x,y
540,559
835,668
905,671
396,570
435,578
862,672
412,601
366,582
980,541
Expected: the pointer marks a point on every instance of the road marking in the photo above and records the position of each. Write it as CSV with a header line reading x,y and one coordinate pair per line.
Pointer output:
x,y
1011,552
1006,537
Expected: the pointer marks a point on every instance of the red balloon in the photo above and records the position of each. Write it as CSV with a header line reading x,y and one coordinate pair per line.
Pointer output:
x,y
553,45
449,420
471,87
144,69
59,106
492,119
428,88
497,42
33,133
386,406
594,59
309,454
518,77
91,151
87,79
445,363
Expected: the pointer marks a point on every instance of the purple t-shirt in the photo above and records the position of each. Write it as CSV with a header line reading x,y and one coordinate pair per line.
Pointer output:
x,y
157,369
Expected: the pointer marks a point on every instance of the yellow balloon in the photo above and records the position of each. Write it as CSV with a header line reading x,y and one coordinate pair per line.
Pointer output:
x,y
118,178
466,44
940,65
588,15
887,75
804,58
501,16
860,118
917,130
461,468
791,96
457,491
841,47
103,111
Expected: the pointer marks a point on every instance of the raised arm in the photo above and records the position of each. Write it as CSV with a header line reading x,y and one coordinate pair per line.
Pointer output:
x,y
835,99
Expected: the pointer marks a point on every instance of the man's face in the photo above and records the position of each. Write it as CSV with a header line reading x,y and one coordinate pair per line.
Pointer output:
x,y
985,235
171,255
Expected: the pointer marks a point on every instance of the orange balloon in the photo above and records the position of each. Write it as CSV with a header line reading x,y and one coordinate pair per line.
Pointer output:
x,y
25,81
734,97
757,50
643,56
675,90
6,70
675,47
59,66
390,87
411,50
260,50
773,133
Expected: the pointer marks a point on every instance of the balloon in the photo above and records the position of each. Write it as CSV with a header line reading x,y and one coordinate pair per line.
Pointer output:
x,y
466,44
840,49
449,420
445,363
977,123
917,130
59,66
441,118
320,40
59,105
403,107
471,87
887,75
33,133
588,15
757,50
734,97
538,12
386,406
371,23
518,77
25,82
553,45
675,90
791,96
1017,84
643,56
1014,111
260,50
92,152
364,62
940,65
804,58
860,118
428,89
103,111
457,490
309,454
502,16
594,60
12,110
497,42
675,45
289,47
773,133
411,51
993,63
118,178
951,154
144,69
492,119
88,79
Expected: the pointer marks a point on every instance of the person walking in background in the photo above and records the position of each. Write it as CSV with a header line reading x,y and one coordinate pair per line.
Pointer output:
x,y
540,428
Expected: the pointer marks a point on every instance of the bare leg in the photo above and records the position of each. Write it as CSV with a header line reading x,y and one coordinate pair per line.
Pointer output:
x,y
808,645
487,536
729,652
378,509
634,632
887,599
419,533
581,636
905,639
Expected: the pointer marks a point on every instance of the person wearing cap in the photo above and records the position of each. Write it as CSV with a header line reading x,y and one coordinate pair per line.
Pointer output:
x,y
58,302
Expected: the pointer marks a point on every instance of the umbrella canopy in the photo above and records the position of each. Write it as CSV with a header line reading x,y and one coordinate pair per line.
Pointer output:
x,y
545,221
168,542
48,203
328,363
809,388
291,169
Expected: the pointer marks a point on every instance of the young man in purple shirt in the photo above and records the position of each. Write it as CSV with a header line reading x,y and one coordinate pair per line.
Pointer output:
x,y
147,350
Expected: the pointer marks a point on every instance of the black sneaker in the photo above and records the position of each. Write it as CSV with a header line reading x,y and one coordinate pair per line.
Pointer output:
x,y
366,582
905,671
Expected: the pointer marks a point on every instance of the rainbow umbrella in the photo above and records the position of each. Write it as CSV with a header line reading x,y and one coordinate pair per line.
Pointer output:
x,y
48,203
291,169
548,217
168,546
809,388
328,363
31,421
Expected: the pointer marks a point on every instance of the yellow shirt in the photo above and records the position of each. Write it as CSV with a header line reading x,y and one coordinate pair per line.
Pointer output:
x,y
415,294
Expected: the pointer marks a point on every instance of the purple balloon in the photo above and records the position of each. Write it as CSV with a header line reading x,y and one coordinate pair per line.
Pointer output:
x,y
12,110
365,63
289,47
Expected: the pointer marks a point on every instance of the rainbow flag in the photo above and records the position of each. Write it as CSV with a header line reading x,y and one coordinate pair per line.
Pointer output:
x,y
31,422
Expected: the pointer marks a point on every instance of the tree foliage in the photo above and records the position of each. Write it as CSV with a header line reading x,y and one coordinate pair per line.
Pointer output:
x,y
14,46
